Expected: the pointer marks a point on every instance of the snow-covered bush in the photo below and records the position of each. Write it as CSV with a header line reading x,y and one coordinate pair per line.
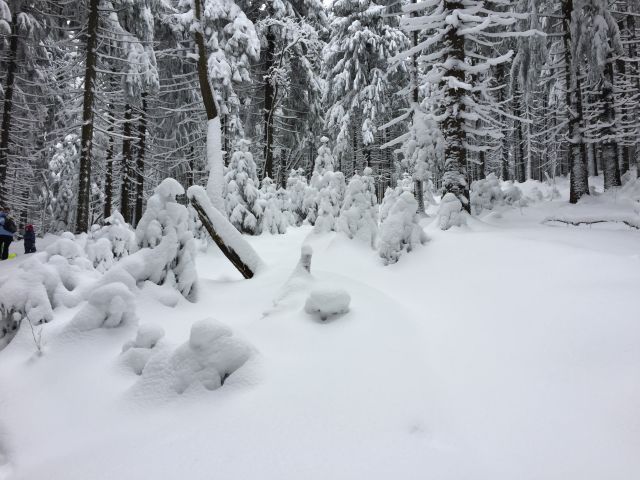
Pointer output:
x,y
513,195
273,220
208,358
297,188
330,198
485,194
390,197
101,255
243,208
450,212
120,235
325,302
109,306
136,353
164,228
400,230
325,162
358,215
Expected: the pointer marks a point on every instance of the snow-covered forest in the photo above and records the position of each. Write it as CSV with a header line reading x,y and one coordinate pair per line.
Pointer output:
x,y
332,239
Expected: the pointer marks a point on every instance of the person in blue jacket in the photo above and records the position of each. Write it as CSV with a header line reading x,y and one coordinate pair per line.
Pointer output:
x,y
7,229
29,239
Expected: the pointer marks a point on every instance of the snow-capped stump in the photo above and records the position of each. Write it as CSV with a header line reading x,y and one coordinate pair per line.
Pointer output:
x,y
327,302
109,306
210,356
450,212
136,353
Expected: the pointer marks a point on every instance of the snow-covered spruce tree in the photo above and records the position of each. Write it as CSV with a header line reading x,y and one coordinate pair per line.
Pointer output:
x,y
225,42
288,79
121,237
63,183
243,208
324,162
358,215
400,230
164,227
454,31
357,94
274,219
297,187
326,191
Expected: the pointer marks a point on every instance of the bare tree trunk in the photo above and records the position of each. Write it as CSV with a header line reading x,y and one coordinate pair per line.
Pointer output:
x,y
203,73
455,155
84,179
108,177
8,105
578,178
142,134
418,186
125,190
610,166
269,96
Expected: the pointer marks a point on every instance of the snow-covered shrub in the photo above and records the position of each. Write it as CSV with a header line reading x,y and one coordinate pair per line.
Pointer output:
x,y
310,201
273,220
485,194
101,255
109,306
297,188
330,198
325,162
208,358
136,353
164,228
450,212
358,215
243,208
400,230
390,197
513,195
119,234
327,302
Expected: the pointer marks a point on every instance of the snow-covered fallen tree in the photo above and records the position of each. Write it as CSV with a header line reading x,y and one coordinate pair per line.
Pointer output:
x,y
224,234
577,220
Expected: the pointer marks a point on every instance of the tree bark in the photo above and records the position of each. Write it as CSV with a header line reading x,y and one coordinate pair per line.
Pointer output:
x,y
84,178
142,134
125,190
203,71
8,105
108,177
454,177
418,186
610,166
268,105
578,178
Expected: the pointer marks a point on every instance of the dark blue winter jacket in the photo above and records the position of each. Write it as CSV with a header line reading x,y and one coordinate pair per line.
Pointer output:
x,y
29,241
3,232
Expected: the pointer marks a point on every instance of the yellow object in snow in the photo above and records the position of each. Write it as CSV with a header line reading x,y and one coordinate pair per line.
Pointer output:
x,y
11,256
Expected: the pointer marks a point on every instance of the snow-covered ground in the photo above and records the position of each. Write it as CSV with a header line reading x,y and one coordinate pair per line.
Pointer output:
x,y
505,349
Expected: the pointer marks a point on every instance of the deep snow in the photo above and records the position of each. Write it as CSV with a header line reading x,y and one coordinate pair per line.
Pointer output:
x,y
503,349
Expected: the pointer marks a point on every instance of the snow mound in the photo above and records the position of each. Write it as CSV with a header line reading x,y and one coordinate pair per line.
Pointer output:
x,y
136,353
109,306
326,302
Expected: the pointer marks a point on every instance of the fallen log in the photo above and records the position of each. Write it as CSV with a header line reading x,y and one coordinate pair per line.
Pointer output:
x,y
576,222
224,234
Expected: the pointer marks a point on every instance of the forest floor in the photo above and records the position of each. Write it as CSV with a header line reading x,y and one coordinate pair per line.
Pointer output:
x,y
506,349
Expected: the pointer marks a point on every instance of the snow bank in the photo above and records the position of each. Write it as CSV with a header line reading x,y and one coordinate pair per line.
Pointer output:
x,y
136,353
109,306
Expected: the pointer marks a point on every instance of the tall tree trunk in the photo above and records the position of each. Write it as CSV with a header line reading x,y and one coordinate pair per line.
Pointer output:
x,y
610,166
418,186
108,177
455,155
125,191
520,164
84,179
142,135
635,73
7,107
268,105
578,178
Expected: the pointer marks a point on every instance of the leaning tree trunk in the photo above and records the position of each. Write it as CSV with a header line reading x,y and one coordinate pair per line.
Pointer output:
x,y
269,98
454,177
125,190
578,178
610,166
142,134
8,105
84,179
